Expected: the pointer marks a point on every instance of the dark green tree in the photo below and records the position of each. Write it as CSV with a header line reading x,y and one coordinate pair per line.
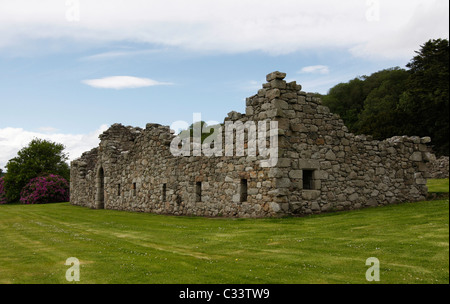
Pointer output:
x,y
347,100
400,102
381,117
426,98
40,157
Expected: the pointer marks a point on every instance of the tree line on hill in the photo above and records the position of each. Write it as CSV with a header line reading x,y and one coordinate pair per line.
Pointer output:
x,y
396,101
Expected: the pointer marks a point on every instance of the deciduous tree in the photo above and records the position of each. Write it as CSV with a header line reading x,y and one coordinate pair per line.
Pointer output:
x,y
40,157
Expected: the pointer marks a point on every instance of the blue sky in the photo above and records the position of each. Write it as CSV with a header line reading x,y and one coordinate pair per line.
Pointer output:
x,y
69,69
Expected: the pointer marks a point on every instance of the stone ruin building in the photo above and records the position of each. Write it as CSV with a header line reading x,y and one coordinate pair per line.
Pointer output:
x,y
321,167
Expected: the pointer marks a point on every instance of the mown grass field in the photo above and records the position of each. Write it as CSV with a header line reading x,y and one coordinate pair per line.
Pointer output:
x,y
438,185
410,240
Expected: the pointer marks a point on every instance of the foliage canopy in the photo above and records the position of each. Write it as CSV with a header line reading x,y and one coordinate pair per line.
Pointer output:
x,y
40,157
397,101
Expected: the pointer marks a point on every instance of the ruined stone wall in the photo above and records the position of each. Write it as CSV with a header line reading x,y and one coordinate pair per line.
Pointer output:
x,y
82,179
344,171
321,166
146,177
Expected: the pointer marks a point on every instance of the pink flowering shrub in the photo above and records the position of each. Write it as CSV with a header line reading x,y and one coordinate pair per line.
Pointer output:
x,y
2,191
45,189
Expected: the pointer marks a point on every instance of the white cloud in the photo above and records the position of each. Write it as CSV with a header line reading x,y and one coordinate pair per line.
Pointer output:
x,y
123,82
315,69
426,20
48,129
14,139
231,26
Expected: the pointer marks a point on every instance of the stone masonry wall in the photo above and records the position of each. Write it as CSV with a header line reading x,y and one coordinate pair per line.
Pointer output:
x,y
321,166
152,180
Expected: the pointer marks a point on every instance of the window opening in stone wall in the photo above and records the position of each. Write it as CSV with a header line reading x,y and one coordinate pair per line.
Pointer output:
x,y
134,189
164,192
118,190
198,191
244,186
308,180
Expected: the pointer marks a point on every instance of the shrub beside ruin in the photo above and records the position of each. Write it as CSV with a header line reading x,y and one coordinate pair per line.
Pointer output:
x,y
45,189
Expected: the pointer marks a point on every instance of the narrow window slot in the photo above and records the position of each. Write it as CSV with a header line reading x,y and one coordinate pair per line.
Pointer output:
x,y
198,191
308,180
164,192
244,189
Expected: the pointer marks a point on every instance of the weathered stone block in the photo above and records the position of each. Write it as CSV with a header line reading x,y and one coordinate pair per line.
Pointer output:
x,y
416,156
275,207
273,113
308,164
283,183
299,127
429,157
280,104
275,75
330,155
284,162
425,140
297,174
272,94
315,207
278,84
310,195
353,197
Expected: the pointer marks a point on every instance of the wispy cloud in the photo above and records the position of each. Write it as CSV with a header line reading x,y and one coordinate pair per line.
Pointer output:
x,y
315,69
14,139
118,54
123,82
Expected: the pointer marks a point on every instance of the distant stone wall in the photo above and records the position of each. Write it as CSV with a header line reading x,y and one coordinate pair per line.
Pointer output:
x,y
321,166
82,179
439,168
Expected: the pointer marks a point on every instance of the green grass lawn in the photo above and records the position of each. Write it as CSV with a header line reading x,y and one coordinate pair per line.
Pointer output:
x,y
411,241
438,185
